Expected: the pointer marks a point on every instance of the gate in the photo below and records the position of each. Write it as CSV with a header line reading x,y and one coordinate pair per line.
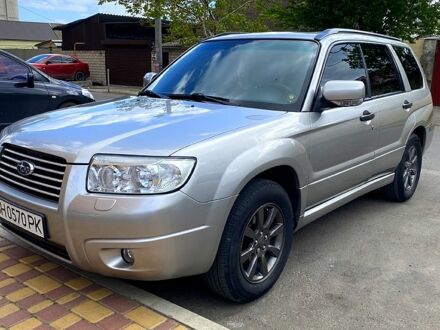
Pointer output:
x,y
128,65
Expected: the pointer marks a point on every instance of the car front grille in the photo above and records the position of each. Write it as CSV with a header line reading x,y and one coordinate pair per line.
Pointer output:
x,y
46,179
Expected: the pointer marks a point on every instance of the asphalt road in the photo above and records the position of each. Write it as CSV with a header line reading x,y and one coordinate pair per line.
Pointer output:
x,y
370,264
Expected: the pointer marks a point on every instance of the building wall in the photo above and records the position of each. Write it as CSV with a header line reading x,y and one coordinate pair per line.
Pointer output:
x,y
428,57
26,54
18,44
96,61
9,10
173,54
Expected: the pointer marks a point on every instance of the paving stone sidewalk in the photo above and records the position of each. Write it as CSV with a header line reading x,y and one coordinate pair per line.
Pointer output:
x,y
36,293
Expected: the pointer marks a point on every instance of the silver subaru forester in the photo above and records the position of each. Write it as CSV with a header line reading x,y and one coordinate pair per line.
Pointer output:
x,y
241,141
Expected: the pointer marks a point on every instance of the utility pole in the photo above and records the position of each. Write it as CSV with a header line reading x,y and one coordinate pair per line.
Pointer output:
x,y
158,42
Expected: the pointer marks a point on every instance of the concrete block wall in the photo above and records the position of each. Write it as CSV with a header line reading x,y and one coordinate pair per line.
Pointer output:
x,y
428,58
96,61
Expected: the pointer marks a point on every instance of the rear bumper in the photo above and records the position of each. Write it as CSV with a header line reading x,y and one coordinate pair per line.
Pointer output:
x,y
170,235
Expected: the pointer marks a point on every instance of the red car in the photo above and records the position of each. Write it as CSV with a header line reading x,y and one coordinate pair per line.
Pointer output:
x,y
61,66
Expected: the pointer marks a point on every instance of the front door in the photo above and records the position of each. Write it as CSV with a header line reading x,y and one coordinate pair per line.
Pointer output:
x,y
342,146
16,100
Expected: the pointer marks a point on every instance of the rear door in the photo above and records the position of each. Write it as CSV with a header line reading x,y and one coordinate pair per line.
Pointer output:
x,y
68,66
387,98
16,100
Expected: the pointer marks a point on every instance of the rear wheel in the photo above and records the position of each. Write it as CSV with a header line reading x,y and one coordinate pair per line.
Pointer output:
x,y
255,244
80,76
407,173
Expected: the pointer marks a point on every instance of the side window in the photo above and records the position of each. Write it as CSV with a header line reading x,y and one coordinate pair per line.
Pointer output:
x,y
38,76
382,72
11,69
56,60
410,66
344,62
68,59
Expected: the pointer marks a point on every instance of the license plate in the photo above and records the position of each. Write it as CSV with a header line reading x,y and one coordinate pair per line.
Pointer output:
x,y
28,221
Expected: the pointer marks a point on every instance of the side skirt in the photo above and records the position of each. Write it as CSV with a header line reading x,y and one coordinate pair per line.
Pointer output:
x,y
318,211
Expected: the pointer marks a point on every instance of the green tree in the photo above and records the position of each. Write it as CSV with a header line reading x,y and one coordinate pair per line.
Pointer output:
x,y
192,20
401,18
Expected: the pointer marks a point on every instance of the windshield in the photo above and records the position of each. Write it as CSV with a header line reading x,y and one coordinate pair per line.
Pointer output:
x,y
37,58
268,74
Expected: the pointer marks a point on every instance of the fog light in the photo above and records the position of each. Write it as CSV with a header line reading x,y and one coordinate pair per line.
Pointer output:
x,y
127,255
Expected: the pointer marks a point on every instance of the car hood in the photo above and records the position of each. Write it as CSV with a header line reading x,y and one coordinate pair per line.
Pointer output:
x,y
134,125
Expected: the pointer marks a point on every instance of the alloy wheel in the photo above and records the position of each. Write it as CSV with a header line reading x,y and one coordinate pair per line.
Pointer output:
x,y
262,243
410,169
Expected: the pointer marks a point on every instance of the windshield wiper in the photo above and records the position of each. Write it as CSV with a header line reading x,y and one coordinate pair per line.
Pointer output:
x,y
148,92
200,97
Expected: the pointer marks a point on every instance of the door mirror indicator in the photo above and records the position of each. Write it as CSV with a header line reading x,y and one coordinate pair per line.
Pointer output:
x,y
344,93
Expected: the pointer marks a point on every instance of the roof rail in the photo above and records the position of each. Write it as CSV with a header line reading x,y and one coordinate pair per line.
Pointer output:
x,y
225,34
321,35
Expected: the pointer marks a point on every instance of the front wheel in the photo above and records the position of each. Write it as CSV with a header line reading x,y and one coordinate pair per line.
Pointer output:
x,y
255,244
407,173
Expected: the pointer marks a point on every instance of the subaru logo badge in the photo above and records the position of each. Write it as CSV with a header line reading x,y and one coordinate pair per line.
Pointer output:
x,y
25,168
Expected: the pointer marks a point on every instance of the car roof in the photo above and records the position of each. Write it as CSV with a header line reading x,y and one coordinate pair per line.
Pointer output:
x,y
316,36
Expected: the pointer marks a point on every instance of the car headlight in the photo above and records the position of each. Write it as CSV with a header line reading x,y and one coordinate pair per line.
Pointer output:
x,y
86,93
138,175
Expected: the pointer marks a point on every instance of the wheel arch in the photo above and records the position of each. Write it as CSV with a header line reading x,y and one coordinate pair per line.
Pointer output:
x,y
420,131
286,177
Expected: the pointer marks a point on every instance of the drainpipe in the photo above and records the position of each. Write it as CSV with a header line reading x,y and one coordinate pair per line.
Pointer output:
x,y
74,46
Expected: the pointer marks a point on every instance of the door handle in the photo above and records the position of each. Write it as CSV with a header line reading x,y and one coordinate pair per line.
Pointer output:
x,y
367,115
407,105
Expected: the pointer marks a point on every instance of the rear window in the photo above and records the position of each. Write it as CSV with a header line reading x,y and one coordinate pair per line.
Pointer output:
x,y
382,72
410,66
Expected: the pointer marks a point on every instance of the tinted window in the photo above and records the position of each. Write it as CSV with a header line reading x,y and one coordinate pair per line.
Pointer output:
x,y
269,74
382,72
56,59
410,66
11,69
68,59
38,76
344,62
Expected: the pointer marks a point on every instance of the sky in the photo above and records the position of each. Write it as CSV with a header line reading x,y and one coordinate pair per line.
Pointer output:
x,y
63,11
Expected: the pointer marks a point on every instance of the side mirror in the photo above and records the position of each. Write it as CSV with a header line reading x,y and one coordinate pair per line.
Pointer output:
x,y
344,93
149,77
30,80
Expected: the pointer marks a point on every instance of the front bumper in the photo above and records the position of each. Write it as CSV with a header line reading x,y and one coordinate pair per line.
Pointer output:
x,y
171,235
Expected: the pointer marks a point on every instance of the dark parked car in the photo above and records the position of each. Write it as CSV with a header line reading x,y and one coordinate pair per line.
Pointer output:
x,y
26,91
61,66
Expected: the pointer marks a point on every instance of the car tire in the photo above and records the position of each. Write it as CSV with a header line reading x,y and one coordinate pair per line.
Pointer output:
x,y
232,277
66,105
407,173
79,76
